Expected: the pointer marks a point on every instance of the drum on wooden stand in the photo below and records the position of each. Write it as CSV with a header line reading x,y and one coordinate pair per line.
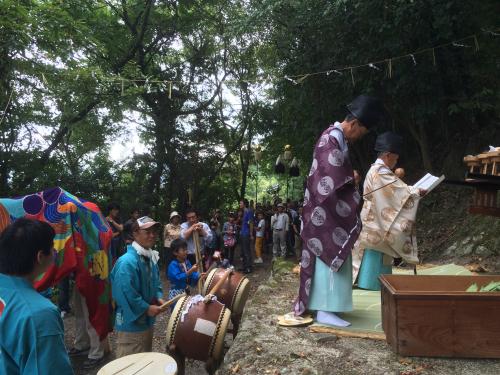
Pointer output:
x,y
197,330
141,364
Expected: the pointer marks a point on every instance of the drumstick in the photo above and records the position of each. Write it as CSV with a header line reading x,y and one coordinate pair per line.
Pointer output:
x,y
171,301
218,285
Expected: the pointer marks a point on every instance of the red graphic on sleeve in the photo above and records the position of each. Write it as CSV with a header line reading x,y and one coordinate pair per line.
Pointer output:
x,y
2,306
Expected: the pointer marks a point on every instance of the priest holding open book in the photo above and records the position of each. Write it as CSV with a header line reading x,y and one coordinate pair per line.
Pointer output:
x,y
388,216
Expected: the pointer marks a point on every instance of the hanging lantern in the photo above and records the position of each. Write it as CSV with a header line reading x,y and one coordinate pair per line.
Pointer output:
x,y
294,168
287,154
279,167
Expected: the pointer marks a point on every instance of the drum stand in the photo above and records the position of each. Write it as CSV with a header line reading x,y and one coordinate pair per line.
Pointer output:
x,y
235,320
211,365
179,358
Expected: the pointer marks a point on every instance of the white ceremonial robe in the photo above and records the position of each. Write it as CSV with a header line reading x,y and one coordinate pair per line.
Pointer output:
x,y
388,217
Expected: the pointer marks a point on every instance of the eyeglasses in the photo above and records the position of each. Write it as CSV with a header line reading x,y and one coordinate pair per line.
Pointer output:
x,y
191,217
150,231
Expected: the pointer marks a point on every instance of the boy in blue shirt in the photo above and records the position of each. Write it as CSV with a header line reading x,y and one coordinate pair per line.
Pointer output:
x,y
137,291
31,328
180,272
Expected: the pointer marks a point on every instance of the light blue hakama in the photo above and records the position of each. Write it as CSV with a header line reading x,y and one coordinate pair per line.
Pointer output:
x,y
331,291
372,266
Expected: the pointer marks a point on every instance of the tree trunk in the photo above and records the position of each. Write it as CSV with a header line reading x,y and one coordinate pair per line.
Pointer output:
x,y
60,134
244,174
424,148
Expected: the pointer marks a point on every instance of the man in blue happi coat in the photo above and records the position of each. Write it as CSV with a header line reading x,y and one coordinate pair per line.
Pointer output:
x,y
137,290
31,328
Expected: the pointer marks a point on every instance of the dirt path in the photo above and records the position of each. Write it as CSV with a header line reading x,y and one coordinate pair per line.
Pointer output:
x,y
260,275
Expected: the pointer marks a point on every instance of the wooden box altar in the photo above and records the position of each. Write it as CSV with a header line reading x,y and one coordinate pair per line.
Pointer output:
x,y
434,316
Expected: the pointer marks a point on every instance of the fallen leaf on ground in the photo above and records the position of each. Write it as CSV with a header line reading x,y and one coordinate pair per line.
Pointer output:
x,y
475,267
298,355
236,368
405,361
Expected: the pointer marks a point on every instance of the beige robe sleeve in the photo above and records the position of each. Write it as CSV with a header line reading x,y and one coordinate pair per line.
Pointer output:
x,y
389,215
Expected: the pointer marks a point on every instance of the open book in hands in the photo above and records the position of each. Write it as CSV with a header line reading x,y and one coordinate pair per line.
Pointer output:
x,y
428,182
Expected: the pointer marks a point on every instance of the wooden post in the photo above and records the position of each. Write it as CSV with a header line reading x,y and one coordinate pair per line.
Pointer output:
x,y
199,260
180,359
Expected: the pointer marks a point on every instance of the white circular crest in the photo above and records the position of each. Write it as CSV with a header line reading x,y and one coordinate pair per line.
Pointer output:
x,y
323,140
356,196
305,261
325,185
308,286
314,166
343,208
339,236
307,196
318,216
315,245
336,158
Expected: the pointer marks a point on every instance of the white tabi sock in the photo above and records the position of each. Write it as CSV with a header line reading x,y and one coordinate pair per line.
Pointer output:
x,y
326,317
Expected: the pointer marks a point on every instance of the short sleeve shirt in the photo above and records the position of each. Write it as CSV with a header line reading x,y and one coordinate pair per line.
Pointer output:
x,y
245,225
261,225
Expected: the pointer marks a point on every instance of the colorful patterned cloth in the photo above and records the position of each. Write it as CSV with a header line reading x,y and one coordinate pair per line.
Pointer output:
x,y
82,243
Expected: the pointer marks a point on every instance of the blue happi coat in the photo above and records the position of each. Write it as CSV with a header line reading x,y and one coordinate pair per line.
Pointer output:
x,y
31,331
136,284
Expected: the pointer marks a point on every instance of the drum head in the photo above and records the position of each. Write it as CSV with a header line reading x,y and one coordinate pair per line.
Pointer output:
x,y
240,296
198,333
208,281
174,319
222,324
141,364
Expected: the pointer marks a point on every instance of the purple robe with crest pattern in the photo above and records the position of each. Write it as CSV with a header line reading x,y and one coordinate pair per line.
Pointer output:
x,y
331,221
